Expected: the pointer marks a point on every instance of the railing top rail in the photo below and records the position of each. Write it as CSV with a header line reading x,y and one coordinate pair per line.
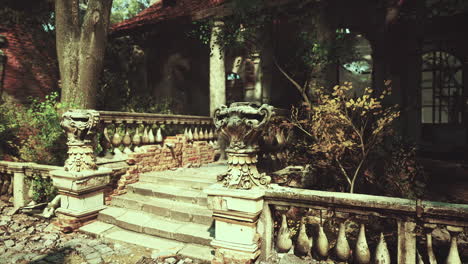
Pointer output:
x,y
427,211
28,168
129,117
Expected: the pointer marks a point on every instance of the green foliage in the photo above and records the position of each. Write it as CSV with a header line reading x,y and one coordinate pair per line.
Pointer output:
x,y
33,133
125,9
43,189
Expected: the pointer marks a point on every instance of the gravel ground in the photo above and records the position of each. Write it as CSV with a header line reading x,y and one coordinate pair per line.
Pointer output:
x,y
28,239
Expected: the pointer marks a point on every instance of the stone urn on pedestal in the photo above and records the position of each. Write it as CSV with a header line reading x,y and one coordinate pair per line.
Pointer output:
x,y
80,183
237,200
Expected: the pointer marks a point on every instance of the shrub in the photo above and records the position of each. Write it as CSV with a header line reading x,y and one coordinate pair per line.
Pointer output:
x,y
33,132
342,131
43,189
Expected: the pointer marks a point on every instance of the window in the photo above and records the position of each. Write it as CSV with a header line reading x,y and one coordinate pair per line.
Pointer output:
x,y
441,89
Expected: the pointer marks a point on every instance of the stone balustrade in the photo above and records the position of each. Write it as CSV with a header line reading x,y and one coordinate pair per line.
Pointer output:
x,y
413,222
322,225
14,178
123,132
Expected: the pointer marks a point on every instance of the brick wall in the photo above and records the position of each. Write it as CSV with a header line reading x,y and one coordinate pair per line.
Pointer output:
x,y
31,64
160,158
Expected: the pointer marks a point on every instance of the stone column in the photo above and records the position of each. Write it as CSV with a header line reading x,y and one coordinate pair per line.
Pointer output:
x,y
217,70
237,201
80,183
20,190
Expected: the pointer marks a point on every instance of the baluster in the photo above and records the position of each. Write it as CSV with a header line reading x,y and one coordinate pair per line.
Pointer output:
x,y
105,143
145,139
201,136
116,141
303,243
127,140
195,134
322,243
428,228
362,250
151,139
342,249
211,136
205,135
159,137
283,239
453,256
190,135
136,140
382,256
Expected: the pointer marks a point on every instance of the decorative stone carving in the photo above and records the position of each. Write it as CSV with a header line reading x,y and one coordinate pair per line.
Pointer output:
x,y
242,123
81,127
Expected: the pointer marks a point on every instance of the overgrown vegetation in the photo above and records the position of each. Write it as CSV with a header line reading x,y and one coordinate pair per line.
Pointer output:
x,y
343,130
43,189
33,133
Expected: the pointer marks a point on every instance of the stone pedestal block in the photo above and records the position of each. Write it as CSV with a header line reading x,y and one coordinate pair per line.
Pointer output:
x,y
236,213
82,195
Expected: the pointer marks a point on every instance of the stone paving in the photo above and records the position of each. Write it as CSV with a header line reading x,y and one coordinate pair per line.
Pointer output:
x,y
28,239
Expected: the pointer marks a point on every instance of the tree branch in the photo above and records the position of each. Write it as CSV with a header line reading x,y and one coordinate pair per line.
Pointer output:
x,y
299,88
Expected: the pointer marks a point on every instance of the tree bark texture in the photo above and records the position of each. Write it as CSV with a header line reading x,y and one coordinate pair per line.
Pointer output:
x,y
323,23
80,49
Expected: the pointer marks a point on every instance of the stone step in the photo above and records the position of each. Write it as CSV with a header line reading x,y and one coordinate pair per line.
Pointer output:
x,y
105,231
150,224
168,192
175,210
189,182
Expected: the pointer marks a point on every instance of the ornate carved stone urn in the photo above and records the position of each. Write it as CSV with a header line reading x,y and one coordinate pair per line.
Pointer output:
x,y
242,123
80,126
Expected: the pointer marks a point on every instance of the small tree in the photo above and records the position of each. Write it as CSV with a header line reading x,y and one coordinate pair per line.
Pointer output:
x,y
344,129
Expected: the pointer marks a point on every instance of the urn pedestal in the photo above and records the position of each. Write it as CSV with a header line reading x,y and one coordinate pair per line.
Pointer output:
x,y
236,214
80,183
82,196
237,200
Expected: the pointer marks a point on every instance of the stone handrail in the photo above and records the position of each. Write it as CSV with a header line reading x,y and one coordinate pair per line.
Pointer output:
x,y
363,204
13,176
140,118
407,213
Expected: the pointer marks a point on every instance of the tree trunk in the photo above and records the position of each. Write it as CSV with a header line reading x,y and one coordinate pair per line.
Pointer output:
x,y
323,74
80,49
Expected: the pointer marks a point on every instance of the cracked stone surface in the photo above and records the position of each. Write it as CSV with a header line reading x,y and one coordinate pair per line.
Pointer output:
x,y
27,239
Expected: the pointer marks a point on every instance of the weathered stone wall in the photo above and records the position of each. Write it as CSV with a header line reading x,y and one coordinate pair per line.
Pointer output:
x,y
175,153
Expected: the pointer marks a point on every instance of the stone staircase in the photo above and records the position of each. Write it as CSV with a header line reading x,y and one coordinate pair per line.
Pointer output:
x,y
165,211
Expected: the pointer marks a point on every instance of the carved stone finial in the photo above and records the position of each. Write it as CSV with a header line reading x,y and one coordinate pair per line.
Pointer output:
x,y
81,127
242,123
